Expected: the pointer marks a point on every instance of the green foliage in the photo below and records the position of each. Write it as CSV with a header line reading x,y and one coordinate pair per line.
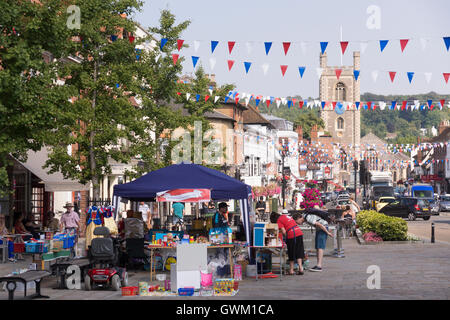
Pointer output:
x,y
162,106
102,115
29,99
306,118
405,124
388,228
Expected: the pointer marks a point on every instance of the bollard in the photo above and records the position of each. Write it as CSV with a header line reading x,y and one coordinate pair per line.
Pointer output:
x,y
432,232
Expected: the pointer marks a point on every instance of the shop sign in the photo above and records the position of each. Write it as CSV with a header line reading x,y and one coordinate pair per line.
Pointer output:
x,y
430,177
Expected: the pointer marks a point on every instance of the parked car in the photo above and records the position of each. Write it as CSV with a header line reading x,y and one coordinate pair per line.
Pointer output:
x,y
343,196
444,203
383,200
326,197
408,207
435,207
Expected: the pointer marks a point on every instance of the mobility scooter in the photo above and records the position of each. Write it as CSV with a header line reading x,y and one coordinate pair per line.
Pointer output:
x,y
103,254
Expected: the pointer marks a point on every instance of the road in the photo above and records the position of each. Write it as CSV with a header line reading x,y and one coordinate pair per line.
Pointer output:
x,y
422,228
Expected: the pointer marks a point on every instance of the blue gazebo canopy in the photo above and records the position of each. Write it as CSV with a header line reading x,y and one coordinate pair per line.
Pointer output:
x,y
183,176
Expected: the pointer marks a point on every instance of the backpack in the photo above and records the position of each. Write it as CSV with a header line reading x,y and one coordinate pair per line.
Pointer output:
x,y
317,212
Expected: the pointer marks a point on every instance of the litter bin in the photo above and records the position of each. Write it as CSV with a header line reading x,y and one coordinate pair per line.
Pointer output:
x,y
274,204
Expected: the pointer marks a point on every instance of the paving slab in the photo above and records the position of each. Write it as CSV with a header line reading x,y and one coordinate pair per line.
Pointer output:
x,y
408,271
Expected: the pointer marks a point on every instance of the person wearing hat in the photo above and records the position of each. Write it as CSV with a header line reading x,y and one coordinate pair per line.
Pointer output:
x,y
70,221
220,217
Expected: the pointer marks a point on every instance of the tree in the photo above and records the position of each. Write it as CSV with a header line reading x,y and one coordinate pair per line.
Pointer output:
x,y
102,115
164,104
306,120
29,98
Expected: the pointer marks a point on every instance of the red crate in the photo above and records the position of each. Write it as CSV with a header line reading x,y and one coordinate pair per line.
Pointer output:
x,y
130,291
19,247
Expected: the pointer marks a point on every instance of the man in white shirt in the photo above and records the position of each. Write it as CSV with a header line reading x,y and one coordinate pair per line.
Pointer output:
x,y
146,215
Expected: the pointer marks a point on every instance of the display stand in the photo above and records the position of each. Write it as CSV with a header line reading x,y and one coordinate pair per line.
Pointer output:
x,y
152,249
271,235
282,253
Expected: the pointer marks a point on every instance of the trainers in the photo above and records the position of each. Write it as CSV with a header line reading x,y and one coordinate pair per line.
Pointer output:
x,y
316,269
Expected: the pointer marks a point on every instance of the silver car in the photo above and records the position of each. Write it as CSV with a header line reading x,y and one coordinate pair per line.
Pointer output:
x,y
444,203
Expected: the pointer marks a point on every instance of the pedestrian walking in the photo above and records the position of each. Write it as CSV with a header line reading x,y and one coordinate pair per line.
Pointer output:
x,y
294,240
70,223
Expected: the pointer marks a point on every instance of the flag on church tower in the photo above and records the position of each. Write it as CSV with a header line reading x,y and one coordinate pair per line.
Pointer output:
x,y
344,45
323,46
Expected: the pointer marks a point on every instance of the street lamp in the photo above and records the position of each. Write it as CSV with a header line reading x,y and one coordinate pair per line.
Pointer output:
x,y
284,172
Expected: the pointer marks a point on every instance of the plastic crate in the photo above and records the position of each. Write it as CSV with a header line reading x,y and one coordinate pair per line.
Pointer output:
x,y
186,291
130,291
30,247
36,247
57,245
68,242
19,247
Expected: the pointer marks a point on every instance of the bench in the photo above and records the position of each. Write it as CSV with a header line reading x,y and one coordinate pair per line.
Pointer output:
x,y
30,275
60,268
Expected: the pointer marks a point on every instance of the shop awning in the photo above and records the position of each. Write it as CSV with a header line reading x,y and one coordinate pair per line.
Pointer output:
x,y
53,181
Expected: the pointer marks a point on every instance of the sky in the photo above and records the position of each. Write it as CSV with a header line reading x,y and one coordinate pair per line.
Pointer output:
x,y
296,21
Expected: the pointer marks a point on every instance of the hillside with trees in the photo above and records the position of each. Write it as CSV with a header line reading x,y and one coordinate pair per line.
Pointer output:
x,y
402,127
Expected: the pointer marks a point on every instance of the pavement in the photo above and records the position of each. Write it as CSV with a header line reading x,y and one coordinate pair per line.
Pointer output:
x,y
407,271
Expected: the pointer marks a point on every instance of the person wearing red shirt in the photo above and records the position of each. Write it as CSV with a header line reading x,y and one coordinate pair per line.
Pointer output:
x,y
294,240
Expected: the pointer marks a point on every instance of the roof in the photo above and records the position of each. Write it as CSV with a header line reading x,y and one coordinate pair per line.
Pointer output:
x,y
442,137
252,116
208,114
53,182
371,139
279,123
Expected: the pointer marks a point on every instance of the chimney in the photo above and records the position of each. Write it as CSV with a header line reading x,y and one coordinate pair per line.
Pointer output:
x,y
299,131
442,126
314,134
323,60
356,60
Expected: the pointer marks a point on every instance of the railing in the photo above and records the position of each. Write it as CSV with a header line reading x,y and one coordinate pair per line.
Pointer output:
x,y
99,202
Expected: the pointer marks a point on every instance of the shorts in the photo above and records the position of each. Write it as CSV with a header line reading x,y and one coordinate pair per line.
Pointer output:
x,y
295,248
321,239
176,219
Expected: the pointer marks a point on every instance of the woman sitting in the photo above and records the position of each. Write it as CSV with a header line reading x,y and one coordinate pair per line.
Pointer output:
x,y
52,223
19,227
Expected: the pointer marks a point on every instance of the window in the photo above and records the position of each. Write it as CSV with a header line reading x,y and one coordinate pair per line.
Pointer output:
x,y
340,92
340,123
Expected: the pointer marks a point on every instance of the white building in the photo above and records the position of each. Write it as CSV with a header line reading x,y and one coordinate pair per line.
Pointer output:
x,y
260,161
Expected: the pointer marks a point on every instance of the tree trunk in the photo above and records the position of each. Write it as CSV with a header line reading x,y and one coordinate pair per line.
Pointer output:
x,y
93,164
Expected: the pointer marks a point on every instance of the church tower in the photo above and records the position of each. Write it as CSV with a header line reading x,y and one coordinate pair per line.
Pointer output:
x,y
343,125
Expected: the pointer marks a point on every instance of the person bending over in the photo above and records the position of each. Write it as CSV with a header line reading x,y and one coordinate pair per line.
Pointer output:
x,y
294,240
